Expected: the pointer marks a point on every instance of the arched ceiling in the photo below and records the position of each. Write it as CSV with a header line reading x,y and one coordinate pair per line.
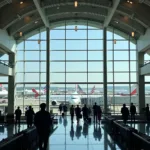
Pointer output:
x,y
34,14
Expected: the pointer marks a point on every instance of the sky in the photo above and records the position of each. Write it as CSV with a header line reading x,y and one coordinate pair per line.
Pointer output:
x,y
76,56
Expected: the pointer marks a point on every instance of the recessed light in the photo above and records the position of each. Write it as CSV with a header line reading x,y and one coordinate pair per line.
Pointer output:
x,y
76,4
57,7
21,2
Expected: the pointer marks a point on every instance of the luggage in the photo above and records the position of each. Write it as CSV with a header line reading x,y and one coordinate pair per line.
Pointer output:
x,y
89,120
80,116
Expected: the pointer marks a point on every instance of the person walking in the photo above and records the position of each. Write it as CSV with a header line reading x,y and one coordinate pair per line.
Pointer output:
x,y
99,113
18,116
65,109
95,112
147,112
78,113
72,113
125,113
60,108
85,111
42,121
29,116
132,112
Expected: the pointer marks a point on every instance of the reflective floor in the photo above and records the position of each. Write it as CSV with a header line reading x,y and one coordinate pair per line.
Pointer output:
x,y
9,130
80,137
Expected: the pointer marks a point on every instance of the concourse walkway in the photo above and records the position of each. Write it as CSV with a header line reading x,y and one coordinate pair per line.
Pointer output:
x,y
80,137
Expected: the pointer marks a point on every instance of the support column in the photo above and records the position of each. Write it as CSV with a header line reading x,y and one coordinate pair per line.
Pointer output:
x,y
105,68
141,85
11,87
47,66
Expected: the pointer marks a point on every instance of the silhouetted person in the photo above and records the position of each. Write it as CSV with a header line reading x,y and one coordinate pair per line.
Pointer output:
x,y
72,132
60,108
85,111
18,115
133,112
29,116
125,113
72,113
42,122
147,112
95,112
99,113
78,113
65,122
65,110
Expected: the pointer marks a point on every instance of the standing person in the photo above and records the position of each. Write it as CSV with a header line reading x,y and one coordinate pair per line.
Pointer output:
x,y
29,116
133,112
42,122
85,111
72,113
18,115
147,112
60,108
65,110
99,113
125,113
78,113
95,112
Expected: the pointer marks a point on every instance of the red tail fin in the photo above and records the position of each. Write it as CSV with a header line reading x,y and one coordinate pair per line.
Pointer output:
x,y
36,93
133,92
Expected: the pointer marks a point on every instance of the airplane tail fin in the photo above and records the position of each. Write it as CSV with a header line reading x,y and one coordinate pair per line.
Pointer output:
x,y
134,90
93,89
36,93
3,89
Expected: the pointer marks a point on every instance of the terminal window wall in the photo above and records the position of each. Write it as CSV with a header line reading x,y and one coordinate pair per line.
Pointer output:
x,y
76,65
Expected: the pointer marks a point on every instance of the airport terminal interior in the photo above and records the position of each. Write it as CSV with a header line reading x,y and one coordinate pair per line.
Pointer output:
x,y
75,52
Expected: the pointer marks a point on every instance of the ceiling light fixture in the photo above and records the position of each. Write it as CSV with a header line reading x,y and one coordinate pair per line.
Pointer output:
x,y
132,33
39,41
129,2
76,4
76,28
20,33
115,41
21,2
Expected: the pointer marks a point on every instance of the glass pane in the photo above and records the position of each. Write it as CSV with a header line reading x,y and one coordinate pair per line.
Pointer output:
x,y
121,45
29,55
133,55
32,45
79,34
43,66
95,66
20,55
133,77
133,65
19,67
57,44
57,66
19,77
76,67
57,55
76,45
95,34
95,77
109,66
31,66
76,55
57,34
95,44
95,55
110,77
121,66
121,55
121,77
31,77
76,77
57,77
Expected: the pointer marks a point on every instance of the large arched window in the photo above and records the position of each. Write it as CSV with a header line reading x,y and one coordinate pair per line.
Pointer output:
x,y
76,64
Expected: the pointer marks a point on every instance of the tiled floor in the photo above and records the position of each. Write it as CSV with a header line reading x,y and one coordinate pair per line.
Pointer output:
x,y
80,137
